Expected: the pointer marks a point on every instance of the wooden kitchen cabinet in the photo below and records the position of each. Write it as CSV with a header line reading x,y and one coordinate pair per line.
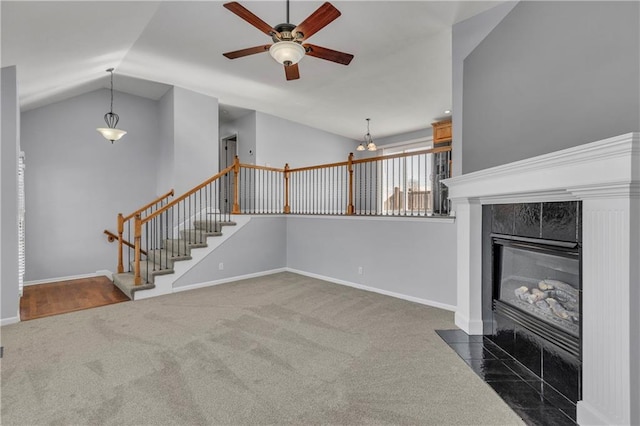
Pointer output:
x,y
442,132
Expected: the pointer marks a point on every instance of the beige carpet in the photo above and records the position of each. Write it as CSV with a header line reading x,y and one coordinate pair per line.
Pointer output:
x,y
282,349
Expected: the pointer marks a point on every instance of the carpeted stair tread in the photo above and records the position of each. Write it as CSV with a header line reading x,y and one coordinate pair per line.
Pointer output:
x,y
197,235
206,225
165,257
210,225
148,270
181,247
125,282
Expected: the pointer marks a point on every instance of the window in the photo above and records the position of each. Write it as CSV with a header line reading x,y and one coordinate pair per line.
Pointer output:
x,y
21,234
406,180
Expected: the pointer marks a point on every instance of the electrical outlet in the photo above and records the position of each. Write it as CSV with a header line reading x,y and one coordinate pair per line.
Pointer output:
x,y
360,270
221,266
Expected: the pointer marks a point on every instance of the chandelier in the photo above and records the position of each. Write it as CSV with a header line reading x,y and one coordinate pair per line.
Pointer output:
x,y
367,143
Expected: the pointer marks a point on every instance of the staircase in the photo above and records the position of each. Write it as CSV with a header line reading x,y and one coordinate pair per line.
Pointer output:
x,y
161,262
161,241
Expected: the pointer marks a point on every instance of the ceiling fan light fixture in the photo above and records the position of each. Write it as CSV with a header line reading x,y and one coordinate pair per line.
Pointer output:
x,y
287,52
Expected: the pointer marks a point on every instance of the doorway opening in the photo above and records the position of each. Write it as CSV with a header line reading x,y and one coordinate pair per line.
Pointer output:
x,y
228,152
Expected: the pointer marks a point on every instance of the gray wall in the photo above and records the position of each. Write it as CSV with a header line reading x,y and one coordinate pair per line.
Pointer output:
x,y
165,174
466,36
551,75
281,141
415,258
9,149
274,141
416,135
259,246
195,127
76,181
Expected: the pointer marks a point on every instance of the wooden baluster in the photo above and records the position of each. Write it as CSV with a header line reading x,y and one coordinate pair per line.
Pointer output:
x,y
236,172
137,241
287,208
120,243
350,207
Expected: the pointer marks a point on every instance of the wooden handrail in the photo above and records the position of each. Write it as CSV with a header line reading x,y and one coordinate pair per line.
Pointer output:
x,y
368,160
404,154
111,237
186,194
321,166
154,202
123,219
256,167
139,220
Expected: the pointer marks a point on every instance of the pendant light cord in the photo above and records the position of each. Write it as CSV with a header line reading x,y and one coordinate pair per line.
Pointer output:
x,y
111,132
111,118
111,71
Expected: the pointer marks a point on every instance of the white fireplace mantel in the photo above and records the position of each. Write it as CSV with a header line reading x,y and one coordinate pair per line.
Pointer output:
x,y
605,176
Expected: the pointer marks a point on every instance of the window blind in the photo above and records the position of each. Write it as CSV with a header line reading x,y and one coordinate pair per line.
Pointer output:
x,y
21,223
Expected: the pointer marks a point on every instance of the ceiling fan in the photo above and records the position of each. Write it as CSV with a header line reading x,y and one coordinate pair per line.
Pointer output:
x,y
287,47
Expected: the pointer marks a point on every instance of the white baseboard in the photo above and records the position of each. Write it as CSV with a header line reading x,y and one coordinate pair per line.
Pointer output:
x,y
375,290
102,272
8,321
228,280
587,414
471,327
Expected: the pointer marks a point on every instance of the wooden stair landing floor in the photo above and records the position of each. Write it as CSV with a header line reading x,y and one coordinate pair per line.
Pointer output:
x,y
43,300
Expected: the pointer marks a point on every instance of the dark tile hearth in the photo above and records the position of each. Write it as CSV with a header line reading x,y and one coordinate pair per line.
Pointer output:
x,y
534,400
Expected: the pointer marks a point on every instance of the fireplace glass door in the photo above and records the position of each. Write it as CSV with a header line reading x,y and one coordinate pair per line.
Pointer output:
x,y
541,280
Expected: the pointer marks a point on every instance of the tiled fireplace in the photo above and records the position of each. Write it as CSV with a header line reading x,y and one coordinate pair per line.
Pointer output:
x,y
532,288
604,176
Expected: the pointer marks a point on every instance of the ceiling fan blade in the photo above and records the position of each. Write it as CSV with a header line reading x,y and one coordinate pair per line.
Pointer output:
x,y
248,51
324,15
328,54
292,72
248,16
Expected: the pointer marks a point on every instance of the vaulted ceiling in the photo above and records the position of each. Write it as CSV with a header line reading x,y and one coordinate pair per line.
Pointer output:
x,y
400,76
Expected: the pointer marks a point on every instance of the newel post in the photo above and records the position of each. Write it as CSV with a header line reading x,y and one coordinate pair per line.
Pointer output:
x,y
350,207
236,172
120,243
287,208
137,241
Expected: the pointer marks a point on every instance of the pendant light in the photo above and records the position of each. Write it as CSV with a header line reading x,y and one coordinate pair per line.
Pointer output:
x,y
367,143
111,133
